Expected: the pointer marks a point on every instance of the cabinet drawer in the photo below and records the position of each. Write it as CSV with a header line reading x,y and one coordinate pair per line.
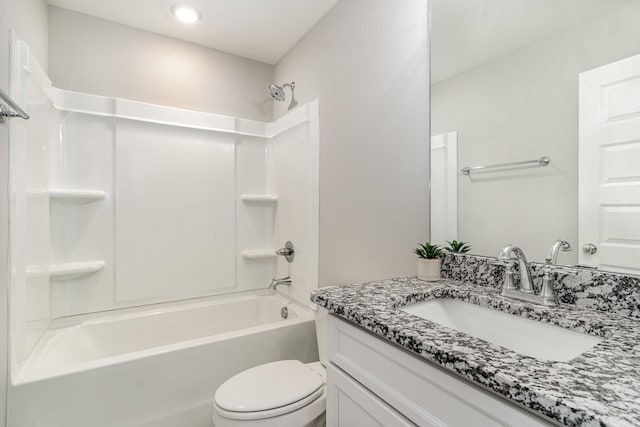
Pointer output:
x,y
425,394
351,405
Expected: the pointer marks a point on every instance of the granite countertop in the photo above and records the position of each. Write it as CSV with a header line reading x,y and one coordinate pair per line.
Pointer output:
x,y
599,387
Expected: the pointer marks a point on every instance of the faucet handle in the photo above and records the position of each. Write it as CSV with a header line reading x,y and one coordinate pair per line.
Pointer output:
x,y
509,282
507,262
506,252
288,252
547,292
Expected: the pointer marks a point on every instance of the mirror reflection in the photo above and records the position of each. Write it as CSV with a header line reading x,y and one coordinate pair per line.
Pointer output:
x,y
546,93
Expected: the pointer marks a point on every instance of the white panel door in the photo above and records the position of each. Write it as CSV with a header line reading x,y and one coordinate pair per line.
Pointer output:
x,y
609,164
444,188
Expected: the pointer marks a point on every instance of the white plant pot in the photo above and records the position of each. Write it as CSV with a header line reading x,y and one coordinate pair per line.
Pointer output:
x,y
429,269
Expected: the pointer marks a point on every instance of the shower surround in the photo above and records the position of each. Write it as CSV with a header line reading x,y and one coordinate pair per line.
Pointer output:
x,y
119,204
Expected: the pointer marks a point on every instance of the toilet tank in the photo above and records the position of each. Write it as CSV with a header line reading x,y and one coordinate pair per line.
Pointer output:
x,y
321,332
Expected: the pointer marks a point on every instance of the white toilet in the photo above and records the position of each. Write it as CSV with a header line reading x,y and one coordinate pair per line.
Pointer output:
x,y
286,393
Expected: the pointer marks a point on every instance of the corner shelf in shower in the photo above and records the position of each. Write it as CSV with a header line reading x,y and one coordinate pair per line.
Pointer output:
x,y
76,196
60,271
259,198
258,254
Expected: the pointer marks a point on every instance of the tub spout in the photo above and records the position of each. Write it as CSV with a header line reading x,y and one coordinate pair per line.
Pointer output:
x,y
275,282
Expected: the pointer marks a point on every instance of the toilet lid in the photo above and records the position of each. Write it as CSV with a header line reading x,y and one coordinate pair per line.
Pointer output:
x,y
268,386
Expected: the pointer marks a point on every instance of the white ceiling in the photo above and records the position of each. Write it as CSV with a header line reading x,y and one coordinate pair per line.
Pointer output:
x,y
263,30
468,33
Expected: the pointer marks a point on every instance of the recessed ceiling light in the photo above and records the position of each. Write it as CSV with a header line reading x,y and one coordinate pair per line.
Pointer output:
x,y
186,14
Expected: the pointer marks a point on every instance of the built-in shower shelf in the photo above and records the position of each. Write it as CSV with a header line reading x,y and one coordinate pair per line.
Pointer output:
x,y
59,271
78,196
259,198
257,254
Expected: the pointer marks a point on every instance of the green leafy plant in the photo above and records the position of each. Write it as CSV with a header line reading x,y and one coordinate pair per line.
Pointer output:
x,y
458,247
428,251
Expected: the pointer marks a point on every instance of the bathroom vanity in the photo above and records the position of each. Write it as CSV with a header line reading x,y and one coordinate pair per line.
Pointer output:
x,y
372,381
395,368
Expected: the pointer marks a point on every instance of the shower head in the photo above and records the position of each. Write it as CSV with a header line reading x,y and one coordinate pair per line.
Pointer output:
x,y
277,92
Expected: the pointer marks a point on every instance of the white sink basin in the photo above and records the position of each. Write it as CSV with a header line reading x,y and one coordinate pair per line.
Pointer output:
x,y
524,336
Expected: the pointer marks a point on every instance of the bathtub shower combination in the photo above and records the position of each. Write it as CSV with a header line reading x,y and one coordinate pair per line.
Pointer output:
x,y
143,239
154,366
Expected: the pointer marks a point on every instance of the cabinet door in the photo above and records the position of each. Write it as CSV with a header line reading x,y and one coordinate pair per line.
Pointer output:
x,y
349,404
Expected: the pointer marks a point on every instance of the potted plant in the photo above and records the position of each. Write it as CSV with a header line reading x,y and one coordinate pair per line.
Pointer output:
x,y
460,247
428,261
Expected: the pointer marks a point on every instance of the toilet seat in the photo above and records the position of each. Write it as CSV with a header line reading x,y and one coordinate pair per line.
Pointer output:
x,y
269,390
270,413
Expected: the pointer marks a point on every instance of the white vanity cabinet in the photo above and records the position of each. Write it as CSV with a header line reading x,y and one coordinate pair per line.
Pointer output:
x,y
371,382
351,404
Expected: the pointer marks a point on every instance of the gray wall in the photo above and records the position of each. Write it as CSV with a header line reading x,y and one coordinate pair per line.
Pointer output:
x,y
522,106
29,19
96,56
366,61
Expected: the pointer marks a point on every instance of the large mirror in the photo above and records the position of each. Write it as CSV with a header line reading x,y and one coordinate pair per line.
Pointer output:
x,y
535,123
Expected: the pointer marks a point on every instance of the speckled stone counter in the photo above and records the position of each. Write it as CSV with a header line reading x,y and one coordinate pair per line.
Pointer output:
x,y
601,387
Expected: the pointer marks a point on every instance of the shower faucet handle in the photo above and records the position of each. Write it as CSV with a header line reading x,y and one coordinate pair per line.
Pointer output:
x,y
288,252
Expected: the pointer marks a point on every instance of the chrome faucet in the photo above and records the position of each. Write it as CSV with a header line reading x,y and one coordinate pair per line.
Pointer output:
x,y
275,282
526,283
558,245
526,292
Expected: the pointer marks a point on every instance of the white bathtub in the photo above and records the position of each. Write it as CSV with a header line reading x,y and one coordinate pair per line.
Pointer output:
x,y
158,366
